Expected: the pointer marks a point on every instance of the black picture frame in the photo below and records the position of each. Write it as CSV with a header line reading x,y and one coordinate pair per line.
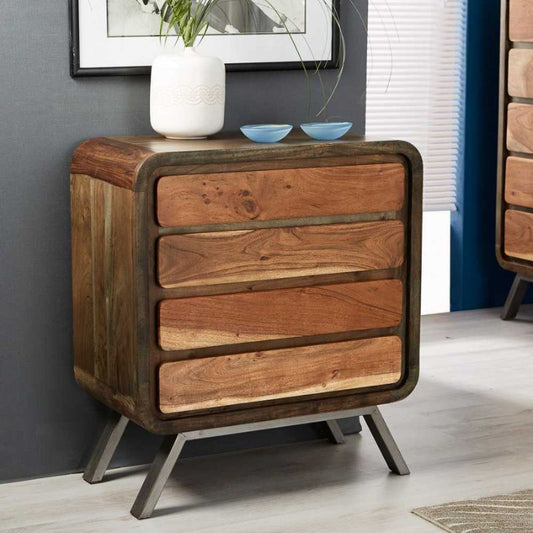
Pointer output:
x,y
76,71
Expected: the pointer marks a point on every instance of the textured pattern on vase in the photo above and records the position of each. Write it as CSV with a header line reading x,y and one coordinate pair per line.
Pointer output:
x,y
172,95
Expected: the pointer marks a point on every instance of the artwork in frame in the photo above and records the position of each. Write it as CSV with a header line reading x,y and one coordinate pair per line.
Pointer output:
x,y
121,37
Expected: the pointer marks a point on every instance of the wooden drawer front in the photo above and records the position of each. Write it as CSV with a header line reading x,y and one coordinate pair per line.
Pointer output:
x,y
520,128
204,321
225,257
521,73
519,234
519,182
521,20
244,378
279,194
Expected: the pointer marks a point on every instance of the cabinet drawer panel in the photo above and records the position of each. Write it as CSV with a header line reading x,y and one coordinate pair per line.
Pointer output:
x,y
519,234
519,181
520,128
275,374
521,73
204,321
225,257
279,194
521,20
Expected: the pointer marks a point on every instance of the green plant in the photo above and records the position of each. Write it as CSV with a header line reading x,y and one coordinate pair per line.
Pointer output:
x,y
190,20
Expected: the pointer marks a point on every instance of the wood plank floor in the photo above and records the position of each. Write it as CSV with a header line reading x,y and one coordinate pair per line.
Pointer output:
x,y
466,432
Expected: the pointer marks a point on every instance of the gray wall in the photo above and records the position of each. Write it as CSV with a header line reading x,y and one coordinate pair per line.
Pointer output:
x,y
48,425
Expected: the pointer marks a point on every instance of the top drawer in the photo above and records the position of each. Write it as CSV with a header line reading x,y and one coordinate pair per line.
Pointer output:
x,y
202,199
521,20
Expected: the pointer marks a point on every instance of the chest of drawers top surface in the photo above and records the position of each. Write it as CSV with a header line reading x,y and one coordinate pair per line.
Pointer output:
x,y
218,282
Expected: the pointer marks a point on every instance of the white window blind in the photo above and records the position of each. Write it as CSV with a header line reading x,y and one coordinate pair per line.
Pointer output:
x,y
416,66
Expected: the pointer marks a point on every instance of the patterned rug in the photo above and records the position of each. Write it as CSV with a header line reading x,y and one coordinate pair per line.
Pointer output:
x,y
510,513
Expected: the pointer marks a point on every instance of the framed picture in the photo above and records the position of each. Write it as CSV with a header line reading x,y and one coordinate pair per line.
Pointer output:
x,y
121,37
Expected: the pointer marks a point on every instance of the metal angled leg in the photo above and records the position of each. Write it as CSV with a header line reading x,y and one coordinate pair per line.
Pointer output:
x,y
158,475
386,444
336,434
515,297
172,446
105,448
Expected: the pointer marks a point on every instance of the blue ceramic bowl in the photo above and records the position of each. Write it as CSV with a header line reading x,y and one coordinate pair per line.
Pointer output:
x,y
266,133
326,131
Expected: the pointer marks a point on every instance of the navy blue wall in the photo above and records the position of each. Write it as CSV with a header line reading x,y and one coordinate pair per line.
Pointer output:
x,y
477,281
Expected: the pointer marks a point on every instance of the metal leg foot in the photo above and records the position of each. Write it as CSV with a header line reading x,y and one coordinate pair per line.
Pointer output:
x,y
383,437
515,297
336,434
158,475
105,448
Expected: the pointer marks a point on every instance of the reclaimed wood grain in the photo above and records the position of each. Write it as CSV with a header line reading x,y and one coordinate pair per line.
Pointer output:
x,y
251,377
204,321
520,75
135,165
521,20
277,253
520,128
519,181
110,160
519,234
103,283
82,279
279,194
130,162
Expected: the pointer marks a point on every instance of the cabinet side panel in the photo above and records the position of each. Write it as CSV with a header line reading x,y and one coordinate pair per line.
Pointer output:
x,y
82,284
122,345
103,286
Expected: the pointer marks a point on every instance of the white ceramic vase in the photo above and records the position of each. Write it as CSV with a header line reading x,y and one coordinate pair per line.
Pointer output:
x,y
187,95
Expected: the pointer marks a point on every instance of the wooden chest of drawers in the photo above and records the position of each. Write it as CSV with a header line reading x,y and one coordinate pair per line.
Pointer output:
x,y
221,282
514,232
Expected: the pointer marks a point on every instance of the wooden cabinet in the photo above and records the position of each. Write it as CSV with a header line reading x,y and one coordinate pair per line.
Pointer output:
x,y
514,232
221,282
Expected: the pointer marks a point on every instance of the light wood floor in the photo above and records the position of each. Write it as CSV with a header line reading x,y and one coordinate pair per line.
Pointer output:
x,y
466,432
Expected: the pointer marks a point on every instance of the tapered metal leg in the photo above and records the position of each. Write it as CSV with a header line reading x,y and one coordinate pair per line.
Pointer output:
x,y
515,297
386,444
105,448
158,475
336,434
172,446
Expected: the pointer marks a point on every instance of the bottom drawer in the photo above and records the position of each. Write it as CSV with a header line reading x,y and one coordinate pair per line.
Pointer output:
x,y
519,234
239,379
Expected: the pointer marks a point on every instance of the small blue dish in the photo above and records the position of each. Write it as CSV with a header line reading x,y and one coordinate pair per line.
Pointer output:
x,y
266,133
326,131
